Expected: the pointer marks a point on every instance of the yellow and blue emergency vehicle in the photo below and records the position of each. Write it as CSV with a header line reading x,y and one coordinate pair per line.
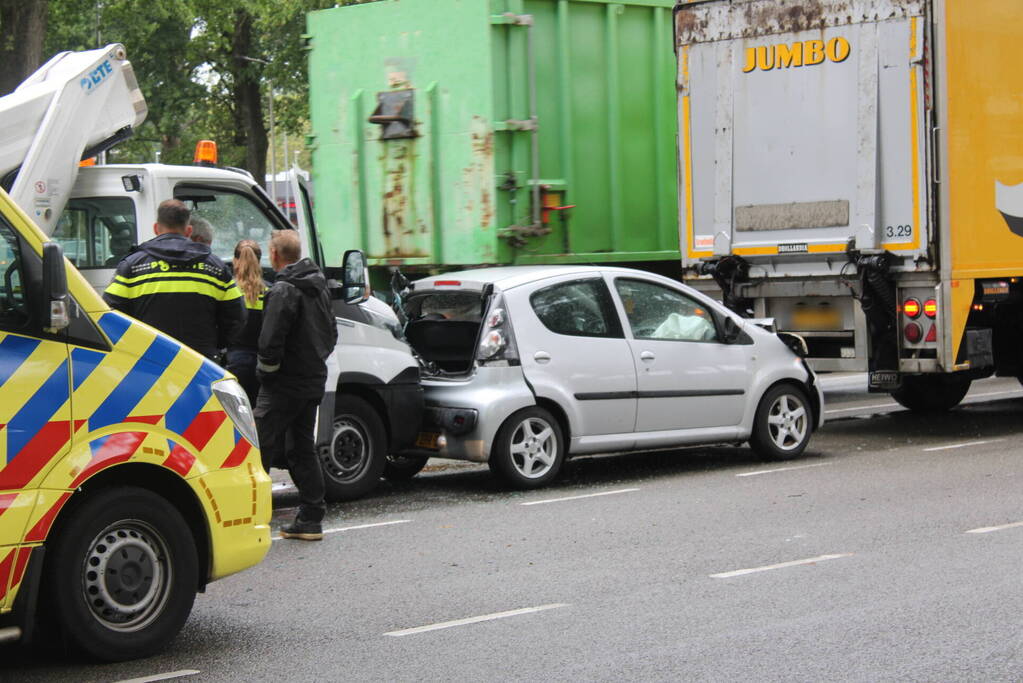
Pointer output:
x,y
130,473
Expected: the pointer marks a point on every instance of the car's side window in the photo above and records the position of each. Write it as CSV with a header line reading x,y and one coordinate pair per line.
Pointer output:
x,y
581,308
13,305
659,312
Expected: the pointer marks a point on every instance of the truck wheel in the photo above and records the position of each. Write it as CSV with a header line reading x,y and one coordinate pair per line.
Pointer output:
x,y
122,574
357,454
932,393
529,450
403,467
783,423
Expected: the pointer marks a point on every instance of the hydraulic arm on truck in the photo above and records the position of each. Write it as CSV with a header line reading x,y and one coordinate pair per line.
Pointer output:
x,y
73,107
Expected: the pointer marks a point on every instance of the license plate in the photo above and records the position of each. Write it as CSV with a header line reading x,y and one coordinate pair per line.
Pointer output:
x,y
885,379
427,440
817,319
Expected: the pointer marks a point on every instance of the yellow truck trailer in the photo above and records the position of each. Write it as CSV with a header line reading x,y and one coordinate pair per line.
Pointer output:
x,y
855,171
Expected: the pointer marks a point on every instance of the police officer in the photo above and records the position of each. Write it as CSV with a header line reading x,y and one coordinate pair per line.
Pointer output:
x,y
178,286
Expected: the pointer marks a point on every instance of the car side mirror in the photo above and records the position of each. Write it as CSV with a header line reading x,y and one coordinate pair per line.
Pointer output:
x,y
355,277
54,300
731,330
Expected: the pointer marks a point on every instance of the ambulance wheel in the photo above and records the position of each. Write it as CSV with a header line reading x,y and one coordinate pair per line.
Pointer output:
x,y
937,393
355,458
122,574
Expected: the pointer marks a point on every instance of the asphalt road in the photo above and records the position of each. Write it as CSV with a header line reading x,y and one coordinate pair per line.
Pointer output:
x,y
889,551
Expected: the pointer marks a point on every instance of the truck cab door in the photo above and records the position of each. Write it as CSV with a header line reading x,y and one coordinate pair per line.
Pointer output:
x,y
304,222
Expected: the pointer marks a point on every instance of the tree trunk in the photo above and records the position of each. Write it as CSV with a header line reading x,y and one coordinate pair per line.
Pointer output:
x,y
22,29
248,101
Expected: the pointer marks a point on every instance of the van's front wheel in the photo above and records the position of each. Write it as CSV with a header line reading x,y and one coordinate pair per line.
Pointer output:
x,y
355,458
122,575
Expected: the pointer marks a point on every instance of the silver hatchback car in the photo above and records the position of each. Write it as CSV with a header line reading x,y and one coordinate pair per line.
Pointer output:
x,y
527,365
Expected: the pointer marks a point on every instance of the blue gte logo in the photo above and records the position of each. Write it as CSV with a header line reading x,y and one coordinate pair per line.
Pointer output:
x,y
96,76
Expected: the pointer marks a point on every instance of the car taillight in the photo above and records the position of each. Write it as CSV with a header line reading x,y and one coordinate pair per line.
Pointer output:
x,y
931,308
497,343
492,342
913,333
911,307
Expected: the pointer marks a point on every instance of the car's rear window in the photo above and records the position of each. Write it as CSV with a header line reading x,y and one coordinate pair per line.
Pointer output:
x,y
581,308
460,306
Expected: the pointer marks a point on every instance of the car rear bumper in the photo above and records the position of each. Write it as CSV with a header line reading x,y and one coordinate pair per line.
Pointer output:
x,y
468,413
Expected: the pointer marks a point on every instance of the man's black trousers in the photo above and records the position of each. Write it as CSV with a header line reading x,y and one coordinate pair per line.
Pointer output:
x,y
286,427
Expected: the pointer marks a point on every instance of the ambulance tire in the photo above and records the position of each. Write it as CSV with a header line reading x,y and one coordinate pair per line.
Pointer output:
x,y
936,393
145,579
355,459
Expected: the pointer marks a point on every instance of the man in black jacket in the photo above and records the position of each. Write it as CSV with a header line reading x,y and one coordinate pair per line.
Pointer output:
x,y
178,286
299,333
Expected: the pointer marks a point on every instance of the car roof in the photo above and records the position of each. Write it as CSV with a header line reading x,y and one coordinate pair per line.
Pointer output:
x,y
507,277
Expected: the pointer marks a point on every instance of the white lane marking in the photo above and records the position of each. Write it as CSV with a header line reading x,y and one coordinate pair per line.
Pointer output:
x,y
784,469
588,495
162,677
961,445
989,529
358,526
782,565
474,620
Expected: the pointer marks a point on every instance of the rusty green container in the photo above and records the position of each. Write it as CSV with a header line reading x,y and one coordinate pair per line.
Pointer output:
x,y
456,132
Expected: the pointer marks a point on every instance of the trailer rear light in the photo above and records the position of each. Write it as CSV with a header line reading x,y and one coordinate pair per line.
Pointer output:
x,y
911,307
932,334
931,309
913,333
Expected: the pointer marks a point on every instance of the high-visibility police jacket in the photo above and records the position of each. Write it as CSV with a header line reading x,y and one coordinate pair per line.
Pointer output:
x,y
179,287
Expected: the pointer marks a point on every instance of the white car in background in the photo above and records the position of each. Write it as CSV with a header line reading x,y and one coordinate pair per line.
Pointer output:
x,y
526,365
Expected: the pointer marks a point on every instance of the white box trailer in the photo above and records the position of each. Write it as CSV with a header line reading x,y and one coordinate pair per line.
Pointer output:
x,y
854,169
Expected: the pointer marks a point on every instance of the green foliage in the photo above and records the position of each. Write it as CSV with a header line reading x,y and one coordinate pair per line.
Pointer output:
x,y
187,55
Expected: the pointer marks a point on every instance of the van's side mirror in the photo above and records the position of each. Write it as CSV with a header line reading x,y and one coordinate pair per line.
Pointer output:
x,y
731,330
54,300
355,277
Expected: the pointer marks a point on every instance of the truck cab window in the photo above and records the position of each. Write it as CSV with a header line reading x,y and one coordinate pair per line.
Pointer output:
x,y
233,217
97,232
13,308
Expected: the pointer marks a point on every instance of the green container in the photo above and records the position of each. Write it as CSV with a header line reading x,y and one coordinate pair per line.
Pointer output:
x,y
451,132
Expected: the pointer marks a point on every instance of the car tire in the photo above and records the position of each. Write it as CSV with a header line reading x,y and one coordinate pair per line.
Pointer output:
x,y
403,467
783,423
357,453
932,393
140,580
529,449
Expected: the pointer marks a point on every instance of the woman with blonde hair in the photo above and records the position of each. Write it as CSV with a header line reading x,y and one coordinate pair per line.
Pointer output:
x,y
241,354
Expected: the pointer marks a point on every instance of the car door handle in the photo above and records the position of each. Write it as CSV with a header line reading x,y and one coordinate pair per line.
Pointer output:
x,y
542,357
647,356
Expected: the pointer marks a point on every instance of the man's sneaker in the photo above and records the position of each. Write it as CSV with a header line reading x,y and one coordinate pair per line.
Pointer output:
x,y
303,530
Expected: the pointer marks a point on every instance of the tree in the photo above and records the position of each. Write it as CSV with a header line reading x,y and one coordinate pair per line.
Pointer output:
x,y
22,30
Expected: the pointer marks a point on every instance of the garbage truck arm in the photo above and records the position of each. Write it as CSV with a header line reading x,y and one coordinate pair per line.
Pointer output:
x,y
73,107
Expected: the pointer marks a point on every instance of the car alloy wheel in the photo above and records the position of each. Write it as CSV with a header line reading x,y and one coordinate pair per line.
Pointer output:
x,y
788,422
534,448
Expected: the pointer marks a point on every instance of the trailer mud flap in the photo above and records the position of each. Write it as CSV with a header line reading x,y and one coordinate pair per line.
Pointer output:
x,y
884,380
